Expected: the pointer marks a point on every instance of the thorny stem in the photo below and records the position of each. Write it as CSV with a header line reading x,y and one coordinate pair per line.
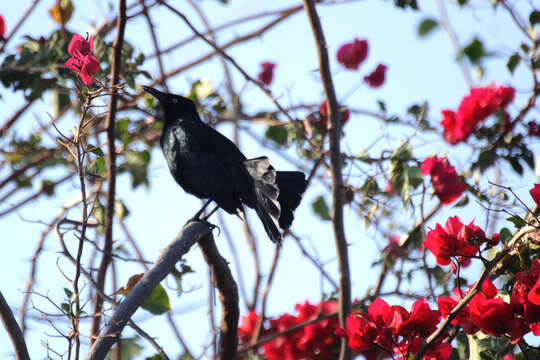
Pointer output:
x,y
81,154
111,164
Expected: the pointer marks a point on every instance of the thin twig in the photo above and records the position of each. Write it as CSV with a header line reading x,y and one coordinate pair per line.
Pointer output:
x,y
337,178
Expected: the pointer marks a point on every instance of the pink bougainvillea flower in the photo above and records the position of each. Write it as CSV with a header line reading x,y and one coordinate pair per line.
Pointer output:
x,y
377,77
474,108
2,27
351,55
535,193
323,110
82,60
451,241
446,183
267,72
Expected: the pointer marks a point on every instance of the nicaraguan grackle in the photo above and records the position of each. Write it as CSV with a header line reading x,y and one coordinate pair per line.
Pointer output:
x,y
210,166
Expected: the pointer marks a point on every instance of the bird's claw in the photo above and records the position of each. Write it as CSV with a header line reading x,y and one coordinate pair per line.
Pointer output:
x,y
206,222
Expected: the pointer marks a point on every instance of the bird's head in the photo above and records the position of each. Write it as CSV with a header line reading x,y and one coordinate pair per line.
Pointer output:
x,y
175,107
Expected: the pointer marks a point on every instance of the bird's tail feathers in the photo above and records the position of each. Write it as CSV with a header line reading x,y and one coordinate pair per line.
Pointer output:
x,y
292,185
266,194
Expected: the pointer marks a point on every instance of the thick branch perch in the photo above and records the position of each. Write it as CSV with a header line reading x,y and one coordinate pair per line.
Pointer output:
x,y
164,264
228,296
13,330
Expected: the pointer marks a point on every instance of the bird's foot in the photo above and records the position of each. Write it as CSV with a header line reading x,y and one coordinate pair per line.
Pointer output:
x,y
206,222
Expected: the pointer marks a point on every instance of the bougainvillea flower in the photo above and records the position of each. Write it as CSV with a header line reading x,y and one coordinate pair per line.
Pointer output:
x,y
448,241
362,335
351,55
2,27
393,248
323,110
377,77
267,72
446,183
535,193
421,322
463,319
82,59
247,326
495,317
314,341
474,108
526,295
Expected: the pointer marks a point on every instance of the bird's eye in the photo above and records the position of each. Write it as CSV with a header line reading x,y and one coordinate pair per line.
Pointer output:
x,y
175,101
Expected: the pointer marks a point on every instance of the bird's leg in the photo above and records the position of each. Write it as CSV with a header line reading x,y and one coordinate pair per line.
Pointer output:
x,y
197,215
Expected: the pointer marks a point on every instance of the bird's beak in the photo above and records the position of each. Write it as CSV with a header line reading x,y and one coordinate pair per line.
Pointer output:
x,y
156,93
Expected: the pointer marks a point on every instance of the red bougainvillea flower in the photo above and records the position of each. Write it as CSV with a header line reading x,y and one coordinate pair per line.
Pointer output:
x,y
2,27
421,322
535,193
495,317
267,72
377,77
474,108
247,326
323,110
351,55
446,183
451,240
447,304
391,330
525,298
82,59
316,341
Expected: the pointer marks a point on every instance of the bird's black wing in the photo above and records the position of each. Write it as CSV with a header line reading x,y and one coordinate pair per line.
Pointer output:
x,y
211,141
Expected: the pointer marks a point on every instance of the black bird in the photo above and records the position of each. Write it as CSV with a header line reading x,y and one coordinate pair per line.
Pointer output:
x,y
210,166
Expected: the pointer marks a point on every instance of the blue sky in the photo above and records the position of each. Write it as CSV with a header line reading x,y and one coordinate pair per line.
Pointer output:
x,y
419,70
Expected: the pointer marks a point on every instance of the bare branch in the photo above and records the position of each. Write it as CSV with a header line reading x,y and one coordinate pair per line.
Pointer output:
x,y
164,264
337,178
13,330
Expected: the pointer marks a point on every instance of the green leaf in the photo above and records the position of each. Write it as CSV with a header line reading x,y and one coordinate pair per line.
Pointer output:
x,y
155,357
512,62
415,176
427,26
120,209
534,17
129,349
96,168
95,150
158,301
321,208
278,134
486,158
475,51
47,187
517,221
402,152
462,202
514,162
505,235
65,307
68,293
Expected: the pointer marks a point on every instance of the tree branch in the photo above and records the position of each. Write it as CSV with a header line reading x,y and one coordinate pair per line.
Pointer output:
x,y
111,163
186,238
337,178
13,330
228,296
